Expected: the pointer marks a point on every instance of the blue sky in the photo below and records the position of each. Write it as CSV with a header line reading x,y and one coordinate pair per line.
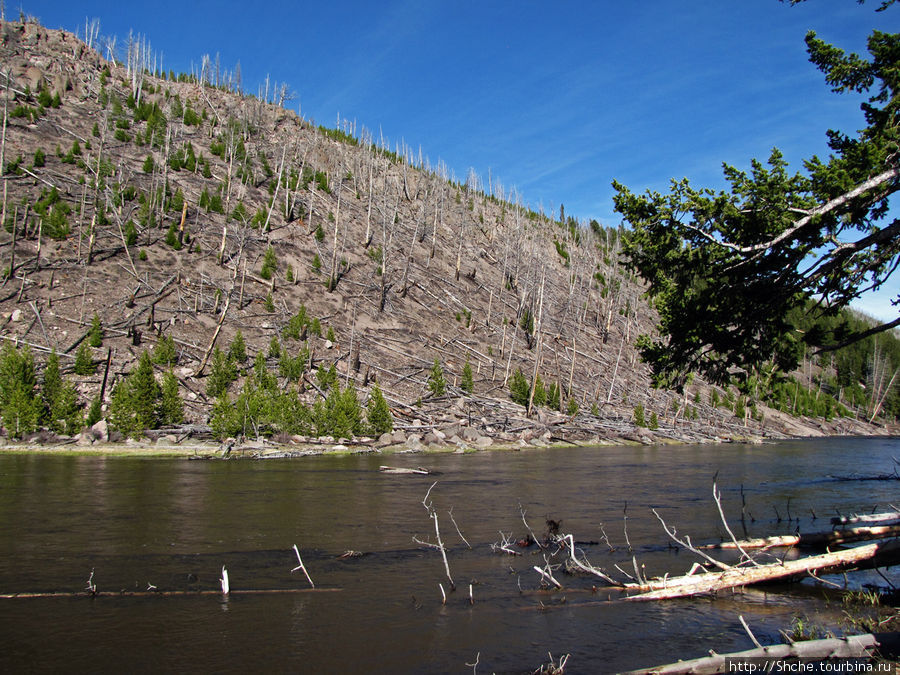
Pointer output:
x,y
554,99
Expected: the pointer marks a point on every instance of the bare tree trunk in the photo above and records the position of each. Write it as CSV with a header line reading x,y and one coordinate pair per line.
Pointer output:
x,y
540,335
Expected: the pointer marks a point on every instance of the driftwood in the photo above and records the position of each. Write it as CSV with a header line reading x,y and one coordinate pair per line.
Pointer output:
x,y
403,470
813,539
854,646
866,556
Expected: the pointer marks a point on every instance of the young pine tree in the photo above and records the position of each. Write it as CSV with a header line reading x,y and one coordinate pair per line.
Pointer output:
x,y
20,405
84,362
222,374
134,404
237,352
437,385
270,264
379,413
518,388
171,408
466,383
95,337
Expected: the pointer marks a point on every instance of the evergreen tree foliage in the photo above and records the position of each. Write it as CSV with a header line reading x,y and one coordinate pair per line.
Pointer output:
x,y
95,412
437,385
540,393
729,271
553,396
164,352
639,416
171,407
326,377
222,373
270,264
237,352
95,337
53,383
378,412
20,405
519,389
134,404
466,383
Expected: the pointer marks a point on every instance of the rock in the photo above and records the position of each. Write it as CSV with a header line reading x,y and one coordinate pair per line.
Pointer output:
x,y
470,434
84,439
398,437
432,438
16,316
340,447
450,430
414,441
329,344
440,434
100,431
385,439
484,442
417,422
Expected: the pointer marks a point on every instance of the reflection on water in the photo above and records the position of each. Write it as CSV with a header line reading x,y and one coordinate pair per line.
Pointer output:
x,y
174,524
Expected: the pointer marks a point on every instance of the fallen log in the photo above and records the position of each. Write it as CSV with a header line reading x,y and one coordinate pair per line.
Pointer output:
x,y
157,593
813,539
888,517
854,646
880,554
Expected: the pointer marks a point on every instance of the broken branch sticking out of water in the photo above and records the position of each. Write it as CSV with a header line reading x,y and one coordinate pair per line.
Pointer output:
x,y
302,567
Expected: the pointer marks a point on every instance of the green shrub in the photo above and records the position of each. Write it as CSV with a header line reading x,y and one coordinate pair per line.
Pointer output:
x,y
654,421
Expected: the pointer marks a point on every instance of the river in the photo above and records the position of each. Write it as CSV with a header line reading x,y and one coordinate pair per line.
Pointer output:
x,y
173,524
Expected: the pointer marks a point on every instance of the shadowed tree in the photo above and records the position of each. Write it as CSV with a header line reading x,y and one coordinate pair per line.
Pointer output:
x,y
730,271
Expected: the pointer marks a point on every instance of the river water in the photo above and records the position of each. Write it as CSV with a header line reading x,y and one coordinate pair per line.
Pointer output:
x,y
173,524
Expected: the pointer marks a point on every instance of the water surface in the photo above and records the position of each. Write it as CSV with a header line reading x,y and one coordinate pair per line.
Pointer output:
x,y
173,524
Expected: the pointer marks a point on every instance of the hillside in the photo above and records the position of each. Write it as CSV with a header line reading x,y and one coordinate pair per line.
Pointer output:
x,y
174,209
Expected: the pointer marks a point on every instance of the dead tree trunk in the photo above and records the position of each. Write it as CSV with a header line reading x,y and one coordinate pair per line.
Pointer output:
x,y
867,556
854,646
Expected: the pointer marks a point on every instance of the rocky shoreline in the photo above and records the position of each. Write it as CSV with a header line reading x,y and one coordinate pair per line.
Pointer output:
x,y
452,435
